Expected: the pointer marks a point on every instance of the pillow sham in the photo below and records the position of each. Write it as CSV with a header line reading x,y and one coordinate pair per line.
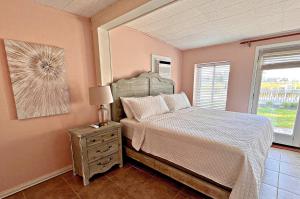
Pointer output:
x,y
144,107
126,107
176,101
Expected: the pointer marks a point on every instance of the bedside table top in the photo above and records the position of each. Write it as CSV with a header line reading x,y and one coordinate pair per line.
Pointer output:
x,y
86,130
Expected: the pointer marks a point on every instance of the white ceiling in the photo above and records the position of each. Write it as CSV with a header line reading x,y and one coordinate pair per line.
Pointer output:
x,y
196,23
86,8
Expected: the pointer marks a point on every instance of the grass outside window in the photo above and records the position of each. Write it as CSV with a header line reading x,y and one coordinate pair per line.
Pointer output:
x,y
282,118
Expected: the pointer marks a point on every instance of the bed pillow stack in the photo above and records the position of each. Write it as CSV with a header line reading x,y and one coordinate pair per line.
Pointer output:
x,y
176,101
144,107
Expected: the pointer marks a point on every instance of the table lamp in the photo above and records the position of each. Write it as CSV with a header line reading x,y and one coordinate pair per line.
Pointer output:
x,y
100,96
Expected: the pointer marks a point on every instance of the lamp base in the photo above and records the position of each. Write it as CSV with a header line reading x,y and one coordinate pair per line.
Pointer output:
x,y
103,116
103,124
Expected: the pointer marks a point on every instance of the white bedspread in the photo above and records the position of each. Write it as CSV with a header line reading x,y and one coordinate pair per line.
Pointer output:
x,y
226,147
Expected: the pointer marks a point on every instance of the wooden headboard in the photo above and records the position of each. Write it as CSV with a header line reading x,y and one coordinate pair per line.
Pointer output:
x,y
146,84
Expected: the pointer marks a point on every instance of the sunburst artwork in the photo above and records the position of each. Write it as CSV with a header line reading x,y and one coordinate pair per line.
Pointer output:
x,y
37,74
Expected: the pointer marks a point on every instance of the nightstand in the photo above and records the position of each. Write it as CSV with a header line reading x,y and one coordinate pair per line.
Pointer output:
x,y
96,150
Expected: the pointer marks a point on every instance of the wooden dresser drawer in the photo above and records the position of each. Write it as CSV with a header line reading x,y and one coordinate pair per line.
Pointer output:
x,y
110,135
102,150
103,164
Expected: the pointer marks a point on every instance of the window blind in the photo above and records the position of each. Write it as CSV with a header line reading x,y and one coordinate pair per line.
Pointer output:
x,y
283,59
211,84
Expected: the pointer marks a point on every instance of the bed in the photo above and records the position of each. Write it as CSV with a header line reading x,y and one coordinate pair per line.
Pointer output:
x,y
218,153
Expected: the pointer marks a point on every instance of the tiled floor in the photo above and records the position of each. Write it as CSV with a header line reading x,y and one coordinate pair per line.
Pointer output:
x,y
282,175
281,180
133,181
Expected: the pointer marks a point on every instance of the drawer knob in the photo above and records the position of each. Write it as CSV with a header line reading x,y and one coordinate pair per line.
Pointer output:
x,y
104,163
93,140
107,149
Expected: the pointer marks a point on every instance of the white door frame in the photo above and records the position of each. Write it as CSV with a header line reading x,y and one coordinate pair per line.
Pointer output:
x,y
254,94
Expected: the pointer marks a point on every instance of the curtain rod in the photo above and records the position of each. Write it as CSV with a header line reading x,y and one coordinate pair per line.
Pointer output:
x,y
269,38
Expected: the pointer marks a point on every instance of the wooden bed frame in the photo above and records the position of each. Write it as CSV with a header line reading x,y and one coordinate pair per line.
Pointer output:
x,y
151,84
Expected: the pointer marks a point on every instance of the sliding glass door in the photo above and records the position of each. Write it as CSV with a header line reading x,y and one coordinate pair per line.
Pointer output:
x,y
277,95
279,98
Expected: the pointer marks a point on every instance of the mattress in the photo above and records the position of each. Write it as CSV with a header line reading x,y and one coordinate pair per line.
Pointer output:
x,y
129,126
228,148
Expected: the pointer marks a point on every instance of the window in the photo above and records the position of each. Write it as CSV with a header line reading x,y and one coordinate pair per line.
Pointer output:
x,y
210,85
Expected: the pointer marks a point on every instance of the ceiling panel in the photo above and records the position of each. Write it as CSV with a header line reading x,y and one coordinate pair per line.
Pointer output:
x,y
189,24
86,8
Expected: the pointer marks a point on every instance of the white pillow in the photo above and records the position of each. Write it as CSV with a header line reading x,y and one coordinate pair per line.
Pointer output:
x,y
177,101
144,107
126,107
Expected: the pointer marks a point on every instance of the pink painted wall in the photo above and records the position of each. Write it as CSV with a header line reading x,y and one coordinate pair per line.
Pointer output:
x,y
242,62
36,147
131,53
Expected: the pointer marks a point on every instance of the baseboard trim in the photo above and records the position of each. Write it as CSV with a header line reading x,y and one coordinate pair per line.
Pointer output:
x,y
36,181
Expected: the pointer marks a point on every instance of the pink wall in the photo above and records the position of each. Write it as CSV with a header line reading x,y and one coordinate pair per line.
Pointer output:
x,y
131,53
35,147
242,62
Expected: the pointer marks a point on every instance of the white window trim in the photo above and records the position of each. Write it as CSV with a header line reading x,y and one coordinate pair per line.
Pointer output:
x,y
256,73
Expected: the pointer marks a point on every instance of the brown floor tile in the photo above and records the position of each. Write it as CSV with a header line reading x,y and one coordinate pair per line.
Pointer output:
x,y
19,195
102,189
127,163
187,192
116,169
155,187
165,180
182,196
125,178
185,196
55,188
144,168
75,182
